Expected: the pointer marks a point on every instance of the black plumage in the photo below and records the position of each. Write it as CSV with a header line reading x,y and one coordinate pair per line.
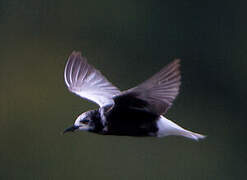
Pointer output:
x,y
130,116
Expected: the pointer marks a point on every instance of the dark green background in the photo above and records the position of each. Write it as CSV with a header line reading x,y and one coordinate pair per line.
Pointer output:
x,y
128,41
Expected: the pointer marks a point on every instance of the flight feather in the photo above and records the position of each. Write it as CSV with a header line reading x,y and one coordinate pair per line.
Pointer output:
x,y
86,81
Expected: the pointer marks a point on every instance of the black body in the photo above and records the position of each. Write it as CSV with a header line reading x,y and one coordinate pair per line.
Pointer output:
x,y
129,116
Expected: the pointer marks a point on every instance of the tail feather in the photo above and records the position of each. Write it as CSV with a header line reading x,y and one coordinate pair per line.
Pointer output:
x,y
167,128
191,135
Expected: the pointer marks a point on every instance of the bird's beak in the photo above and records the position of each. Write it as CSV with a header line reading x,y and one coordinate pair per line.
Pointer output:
x,y
71,129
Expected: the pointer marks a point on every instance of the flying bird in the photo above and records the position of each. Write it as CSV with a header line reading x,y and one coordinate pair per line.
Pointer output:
x,y
134,112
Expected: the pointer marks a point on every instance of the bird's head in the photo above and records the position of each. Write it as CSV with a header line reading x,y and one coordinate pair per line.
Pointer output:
x,y
83,123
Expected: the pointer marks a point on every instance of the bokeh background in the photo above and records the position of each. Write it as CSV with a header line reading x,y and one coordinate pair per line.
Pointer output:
x,y
128,41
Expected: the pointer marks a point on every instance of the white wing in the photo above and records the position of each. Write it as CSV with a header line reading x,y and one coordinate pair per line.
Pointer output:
x,y
87,82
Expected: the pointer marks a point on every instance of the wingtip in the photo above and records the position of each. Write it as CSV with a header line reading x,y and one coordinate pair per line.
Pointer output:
x,y
72,55
177,61
77,55
74,52
174,64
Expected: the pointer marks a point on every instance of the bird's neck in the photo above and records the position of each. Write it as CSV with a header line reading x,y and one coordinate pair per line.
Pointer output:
x,y
98,122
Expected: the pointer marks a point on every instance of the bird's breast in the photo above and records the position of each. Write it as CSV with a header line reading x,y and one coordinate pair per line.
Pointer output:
x,y
131,122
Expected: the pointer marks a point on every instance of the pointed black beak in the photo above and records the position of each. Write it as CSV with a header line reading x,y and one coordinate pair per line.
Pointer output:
x,y
71,129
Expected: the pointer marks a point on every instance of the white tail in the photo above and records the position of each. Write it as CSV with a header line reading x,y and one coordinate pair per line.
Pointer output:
x,y
167,128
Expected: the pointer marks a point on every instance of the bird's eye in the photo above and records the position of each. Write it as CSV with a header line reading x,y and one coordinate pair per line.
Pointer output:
x,y
85,121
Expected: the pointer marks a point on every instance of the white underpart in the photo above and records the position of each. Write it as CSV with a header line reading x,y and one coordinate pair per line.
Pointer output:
x,y
167,128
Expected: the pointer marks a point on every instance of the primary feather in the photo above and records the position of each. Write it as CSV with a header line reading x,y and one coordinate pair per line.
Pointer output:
x,y
161,89
87,82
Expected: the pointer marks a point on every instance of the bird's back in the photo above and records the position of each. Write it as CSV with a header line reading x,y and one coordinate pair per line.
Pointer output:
x,y
131,116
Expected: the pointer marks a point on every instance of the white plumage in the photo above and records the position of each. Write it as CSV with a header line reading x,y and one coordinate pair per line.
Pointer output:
x,y
167,128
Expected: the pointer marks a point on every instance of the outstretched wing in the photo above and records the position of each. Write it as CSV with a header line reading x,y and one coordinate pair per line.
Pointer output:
x,y
87,82
158,92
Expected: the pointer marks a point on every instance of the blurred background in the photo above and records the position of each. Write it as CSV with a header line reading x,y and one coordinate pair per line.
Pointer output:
x,y
128,41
